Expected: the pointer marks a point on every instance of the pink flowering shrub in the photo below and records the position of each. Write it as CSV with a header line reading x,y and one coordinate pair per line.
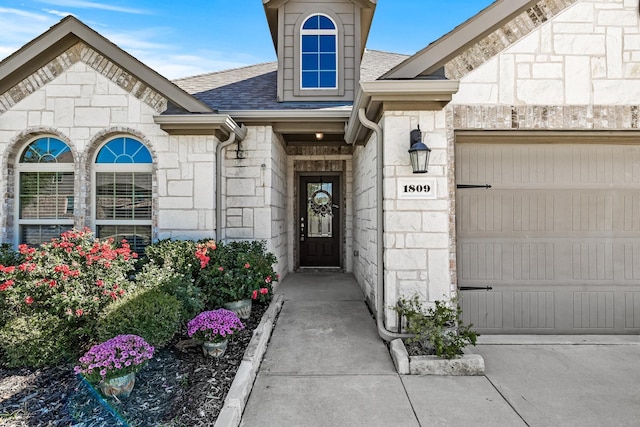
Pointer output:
x,y
72,277
116,357
214,326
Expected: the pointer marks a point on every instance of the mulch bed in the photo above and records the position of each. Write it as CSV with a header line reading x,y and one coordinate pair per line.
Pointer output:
x,y
178,387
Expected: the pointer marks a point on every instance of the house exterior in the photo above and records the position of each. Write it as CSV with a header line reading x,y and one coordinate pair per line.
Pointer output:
x,y
529,212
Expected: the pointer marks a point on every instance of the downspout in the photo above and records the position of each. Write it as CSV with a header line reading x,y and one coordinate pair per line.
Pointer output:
x,y
221,146
384,333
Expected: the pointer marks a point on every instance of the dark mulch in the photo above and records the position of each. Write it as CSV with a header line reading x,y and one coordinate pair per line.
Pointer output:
x,y
179,387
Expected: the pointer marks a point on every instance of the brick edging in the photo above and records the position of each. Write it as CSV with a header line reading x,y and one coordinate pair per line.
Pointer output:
x,y
236,400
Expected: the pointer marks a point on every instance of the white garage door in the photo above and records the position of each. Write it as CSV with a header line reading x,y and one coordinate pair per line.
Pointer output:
x,y
557,237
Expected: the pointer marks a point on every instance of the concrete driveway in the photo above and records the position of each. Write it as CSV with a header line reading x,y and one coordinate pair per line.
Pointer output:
x,y
327,366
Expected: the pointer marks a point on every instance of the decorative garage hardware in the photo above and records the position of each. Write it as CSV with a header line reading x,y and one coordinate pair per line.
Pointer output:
x,y
475,288
321,203
486,186
419,152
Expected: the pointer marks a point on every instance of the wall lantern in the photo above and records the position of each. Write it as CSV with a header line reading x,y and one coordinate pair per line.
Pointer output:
x,y
419,152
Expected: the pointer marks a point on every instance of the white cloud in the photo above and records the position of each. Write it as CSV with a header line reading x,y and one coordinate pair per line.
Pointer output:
x,y
22,14
18,27
82,4
58,13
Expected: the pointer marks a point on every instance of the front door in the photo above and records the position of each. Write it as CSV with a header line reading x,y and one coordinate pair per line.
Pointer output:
x,y
319,223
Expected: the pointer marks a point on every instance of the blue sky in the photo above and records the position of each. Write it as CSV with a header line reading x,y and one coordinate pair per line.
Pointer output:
x,y
184,38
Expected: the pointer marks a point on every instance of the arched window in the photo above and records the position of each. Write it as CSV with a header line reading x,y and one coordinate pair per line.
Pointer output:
x,y
123,192
45,191
319,53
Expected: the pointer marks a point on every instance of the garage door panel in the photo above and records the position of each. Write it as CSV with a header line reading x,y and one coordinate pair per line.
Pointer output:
x,y
557,237
483,310
632,310
593,310
533,310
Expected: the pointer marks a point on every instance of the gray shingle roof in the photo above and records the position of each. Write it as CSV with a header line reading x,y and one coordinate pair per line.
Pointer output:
x,y
255,87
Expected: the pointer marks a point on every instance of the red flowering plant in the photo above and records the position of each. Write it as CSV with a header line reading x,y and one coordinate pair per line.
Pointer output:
x,y
238,270
72,277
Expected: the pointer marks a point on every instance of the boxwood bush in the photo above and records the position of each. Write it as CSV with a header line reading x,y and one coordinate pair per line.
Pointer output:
x,y
150,313
35,341
178,284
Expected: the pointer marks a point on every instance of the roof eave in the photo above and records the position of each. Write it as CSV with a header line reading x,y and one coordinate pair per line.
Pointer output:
x,y
438,53
70,30
220,125
384,95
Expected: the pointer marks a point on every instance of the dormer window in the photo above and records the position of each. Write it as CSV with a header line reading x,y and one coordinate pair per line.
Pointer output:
x,y
319,53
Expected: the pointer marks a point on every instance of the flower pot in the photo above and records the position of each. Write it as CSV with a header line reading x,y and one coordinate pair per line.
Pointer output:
x,y
214,349
242,308
118,386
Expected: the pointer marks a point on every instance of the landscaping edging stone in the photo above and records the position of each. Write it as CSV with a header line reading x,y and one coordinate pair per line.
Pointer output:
x,y
468,364
231,413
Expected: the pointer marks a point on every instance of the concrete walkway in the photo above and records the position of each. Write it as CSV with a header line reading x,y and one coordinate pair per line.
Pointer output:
x,y
326,366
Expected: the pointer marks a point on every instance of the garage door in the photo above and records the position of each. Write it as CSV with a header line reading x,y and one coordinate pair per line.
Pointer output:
x,y
556,237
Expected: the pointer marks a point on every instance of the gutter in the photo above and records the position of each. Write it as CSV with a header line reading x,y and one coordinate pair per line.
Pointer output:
x,y
219,168
384,333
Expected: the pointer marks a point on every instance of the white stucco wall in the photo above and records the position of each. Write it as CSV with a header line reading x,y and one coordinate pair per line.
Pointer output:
x,y
588,54
85,109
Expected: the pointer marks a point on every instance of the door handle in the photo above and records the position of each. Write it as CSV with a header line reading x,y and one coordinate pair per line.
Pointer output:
x,y
302,231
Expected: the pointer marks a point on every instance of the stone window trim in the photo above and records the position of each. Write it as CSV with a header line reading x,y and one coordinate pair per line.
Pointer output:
x,y
340,59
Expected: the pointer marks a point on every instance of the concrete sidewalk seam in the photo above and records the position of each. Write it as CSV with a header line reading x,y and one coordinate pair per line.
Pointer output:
x,y
231,413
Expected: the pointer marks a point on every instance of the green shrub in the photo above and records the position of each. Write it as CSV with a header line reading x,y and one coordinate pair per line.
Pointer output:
x,y
439,329
149,313
35,341
8,257
173,283
176,255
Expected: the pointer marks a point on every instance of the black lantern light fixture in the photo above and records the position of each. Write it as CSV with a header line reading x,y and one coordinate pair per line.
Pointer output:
x,y
419,152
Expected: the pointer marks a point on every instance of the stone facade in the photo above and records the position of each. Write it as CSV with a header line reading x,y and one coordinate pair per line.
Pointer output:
x,y
582,57
85,104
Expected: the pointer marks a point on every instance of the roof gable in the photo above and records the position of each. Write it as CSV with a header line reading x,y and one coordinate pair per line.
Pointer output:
x,y
69,41
480,38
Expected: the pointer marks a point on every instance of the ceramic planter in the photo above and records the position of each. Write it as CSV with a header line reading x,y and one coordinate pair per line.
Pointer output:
x,y
118,386
214,349
242,308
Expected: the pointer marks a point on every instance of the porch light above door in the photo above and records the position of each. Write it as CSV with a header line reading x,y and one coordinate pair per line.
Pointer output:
x,y
419,152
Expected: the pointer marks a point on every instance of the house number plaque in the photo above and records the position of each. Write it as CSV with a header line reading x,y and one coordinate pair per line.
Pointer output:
x,y
417,188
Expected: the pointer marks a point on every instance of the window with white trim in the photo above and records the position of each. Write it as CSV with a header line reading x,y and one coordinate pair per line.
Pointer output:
x,y
45,182
123,192
319,53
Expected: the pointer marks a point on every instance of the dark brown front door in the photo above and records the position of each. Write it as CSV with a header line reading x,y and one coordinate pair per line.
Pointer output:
x,y
319,223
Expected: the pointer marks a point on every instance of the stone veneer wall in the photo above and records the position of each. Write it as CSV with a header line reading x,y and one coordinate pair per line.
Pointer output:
x,y
279,242
80,52
418,234
84,99
589,54
255,192
505,36
365,224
